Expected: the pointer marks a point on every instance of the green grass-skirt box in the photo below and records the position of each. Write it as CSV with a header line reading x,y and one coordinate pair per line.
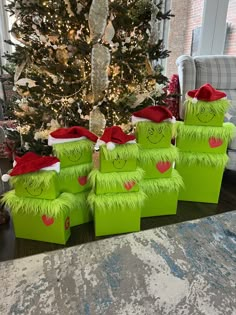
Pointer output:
x,y
116,213
122,182
162,195
157,163
74,179
121,159
41,220
80,212
202,175
204,139
39,185
152,135
74,153
205,113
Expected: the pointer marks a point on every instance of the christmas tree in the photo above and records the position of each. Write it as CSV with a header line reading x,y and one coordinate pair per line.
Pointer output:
x,y
88,63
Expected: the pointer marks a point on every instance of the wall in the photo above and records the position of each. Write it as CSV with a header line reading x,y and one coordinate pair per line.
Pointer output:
x,y
188,16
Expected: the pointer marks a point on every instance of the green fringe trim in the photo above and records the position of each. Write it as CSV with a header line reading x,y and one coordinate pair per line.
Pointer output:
x,y
34,206
111,179
122,201
122,151
168,185
64,149
35,180
151,155
79,200
219,106
225,133
204,159
77,170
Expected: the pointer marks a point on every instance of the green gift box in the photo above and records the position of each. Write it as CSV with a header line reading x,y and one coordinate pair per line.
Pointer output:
x,y
40,185
157,163
163,203
121,159
162,195
74,179
122,182
204,139
116,213
205,113
41,220
80,212
202,175
74,153
152,135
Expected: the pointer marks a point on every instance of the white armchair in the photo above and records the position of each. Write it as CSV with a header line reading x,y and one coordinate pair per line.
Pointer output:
x,y
220,72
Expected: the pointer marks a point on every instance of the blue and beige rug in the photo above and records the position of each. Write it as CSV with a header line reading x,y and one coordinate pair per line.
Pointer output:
x,y
187,268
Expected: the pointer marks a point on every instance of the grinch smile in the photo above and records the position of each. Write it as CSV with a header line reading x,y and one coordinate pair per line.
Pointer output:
x,y
206,115
155,135
119,164
75,156
35,192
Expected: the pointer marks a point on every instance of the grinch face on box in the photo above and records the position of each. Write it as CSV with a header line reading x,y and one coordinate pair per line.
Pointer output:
x,y
119,163
155,135
33,191
75,156
206,114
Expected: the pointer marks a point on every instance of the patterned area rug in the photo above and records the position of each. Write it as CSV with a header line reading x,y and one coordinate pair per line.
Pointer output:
x,y
187,268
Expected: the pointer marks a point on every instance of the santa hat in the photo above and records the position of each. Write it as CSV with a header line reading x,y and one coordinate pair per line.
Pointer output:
x,y
205,93
155,114
31,162
76,133
113,136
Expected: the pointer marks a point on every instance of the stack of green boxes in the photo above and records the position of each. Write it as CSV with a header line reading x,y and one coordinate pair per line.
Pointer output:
x,y
38,209
74,147
161,182
202,141
116,198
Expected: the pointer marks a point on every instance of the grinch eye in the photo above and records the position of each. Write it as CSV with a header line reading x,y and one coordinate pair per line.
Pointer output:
x,y
151,131
202,110
159,130
212,111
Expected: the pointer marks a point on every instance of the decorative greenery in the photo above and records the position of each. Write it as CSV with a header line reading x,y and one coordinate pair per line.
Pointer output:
x,y
225,133
54,64
204,159
34,206
65,149
168,185
164,154
35,180
219,107
77,170
108,180
121,151
111,202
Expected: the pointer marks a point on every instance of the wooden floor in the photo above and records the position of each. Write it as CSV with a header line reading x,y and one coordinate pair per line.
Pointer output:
x,y
14,248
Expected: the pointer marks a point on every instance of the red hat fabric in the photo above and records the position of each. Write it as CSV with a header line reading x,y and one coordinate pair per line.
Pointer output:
x,y
206,93
113,136
71,134
155,114
31,162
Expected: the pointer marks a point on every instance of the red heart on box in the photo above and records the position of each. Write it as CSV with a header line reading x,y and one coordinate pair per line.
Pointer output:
x,y
67,223
83,180
129,185
215,142
163,166
47,220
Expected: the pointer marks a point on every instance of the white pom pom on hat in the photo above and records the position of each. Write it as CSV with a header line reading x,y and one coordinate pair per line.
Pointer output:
x,y
110,145
5,178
